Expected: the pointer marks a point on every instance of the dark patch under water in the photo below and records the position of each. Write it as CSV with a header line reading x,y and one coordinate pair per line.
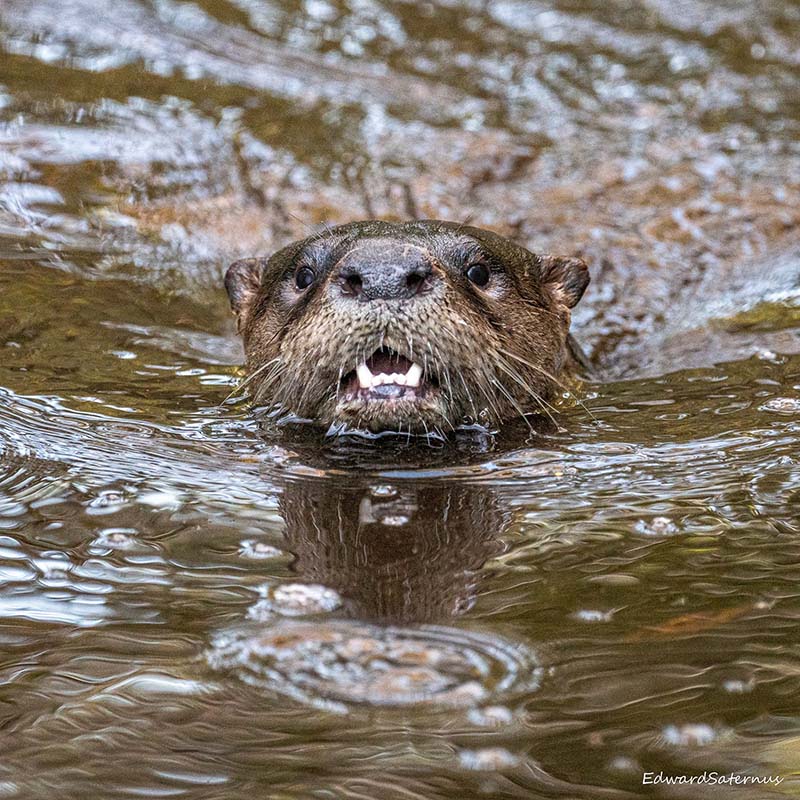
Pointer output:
x,y
192,606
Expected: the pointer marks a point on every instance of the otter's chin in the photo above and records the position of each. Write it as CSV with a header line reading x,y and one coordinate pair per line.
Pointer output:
x,y
403,415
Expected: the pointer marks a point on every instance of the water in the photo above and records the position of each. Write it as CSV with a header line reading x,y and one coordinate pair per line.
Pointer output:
x,y
192,606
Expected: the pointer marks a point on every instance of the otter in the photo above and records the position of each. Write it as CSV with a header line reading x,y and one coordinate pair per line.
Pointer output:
x,y
417,327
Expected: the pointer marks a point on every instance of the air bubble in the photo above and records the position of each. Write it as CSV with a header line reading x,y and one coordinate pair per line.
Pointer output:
x,y
116,539
782,405
658,526
252,548
488,759
690,735
490,716
295,600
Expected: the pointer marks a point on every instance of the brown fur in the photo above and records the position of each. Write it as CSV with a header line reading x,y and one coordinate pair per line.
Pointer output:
x,y
491,352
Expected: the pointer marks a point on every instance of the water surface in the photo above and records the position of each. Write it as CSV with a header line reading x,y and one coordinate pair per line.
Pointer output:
x,y
192,606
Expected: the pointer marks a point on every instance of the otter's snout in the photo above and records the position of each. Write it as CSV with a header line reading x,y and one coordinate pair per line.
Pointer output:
x,y
385,271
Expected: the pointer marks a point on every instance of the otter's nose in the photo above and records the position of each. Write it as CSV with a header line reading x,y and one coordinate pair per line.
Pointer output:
x,y
395,276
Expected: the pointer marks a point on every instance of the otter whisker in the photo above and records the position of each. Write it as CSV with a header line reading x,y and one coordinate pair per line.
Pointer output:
x,y
430,434
517,378
248,380
444,374
553,379
484,380
513,402
469,395
542,405
275,375
448,383
466,221
490,401
305,391
424,425
447,421
314,234
533,304
536,367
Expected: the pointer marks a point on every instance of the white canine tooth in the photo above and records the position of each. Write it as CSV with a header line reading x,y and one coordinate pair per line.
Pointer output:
x,y
365,377
414,375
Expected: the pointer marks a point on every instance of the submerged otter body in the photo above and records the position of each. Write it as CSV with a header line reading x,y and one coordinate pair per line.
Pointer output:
x,y
415,327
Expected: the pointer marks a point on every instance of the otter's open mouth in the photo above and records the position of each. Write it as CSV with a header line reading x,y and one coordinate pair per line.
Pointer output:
x,y
385,376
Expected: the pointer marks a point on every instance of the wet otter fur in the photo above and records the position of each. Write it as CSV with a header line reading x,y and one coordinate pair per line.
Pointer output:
x,y
415,327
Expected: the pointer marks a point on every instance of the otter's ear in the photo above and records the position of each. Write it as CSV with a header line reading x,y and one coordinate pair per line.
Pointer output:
x,y
566,277
242,281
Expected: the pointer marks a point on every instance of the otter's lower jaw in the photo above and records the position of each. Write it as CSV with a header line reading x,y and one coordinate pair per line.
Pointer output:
x,y
405,415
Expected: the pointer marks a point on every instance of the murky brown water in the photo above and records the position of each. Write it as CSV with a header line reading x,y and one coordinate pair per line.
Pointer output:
x,y
193,607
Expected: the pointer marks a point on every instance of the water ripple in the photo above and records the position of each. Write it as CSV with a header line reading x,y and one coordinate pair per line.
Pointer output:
x,y
337,664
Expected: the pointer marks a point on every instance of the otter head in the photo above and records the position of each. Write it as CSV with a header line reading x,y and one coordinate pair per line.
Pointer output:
x,y
414,327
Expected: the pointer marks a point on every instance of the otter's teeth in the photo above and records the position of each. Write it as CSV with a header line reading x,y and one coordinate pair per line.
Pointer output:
x,y
365,377
413,376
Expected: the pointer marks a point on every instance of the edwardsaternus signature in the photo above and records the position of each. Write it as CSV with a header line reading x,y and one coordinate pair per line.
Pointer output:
x,y
712,779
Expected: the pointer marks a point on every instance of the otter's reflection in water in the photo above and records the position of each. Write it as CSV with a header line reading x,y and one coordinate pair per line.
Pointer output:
x,y
383,568
401,552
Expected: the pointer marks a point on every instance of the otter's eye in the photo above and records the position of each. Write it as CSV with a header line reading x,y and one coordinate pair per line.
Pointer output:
x,y
479,274
304,277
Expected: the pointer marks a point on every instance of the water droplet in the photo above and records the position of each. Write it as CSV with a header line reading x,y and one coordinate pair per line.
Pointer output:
x,y
658,526
689,735
593,615
161,499
488,759
252,548
105,502
296,600
782,405
395,521
383,490
116,539
624,764
614,579
738,686
490,716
